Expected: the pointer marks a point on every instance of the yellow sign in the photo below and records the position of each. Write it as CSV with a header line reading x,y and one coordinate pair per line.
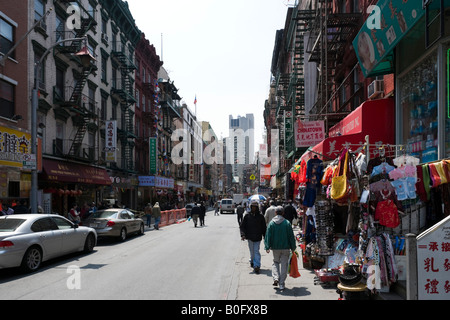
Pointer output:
x,y
14,145
252,177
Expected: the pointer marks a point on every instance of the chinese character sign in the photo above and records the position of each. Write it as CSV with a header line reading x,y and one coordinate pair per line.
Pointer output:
x,y
433,261
308,133
111,141
14,145
153,155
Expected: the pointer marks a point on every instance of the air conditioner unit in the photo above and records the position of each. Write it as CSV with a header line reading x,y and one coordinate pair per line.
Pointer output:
x,y
104,37
375,89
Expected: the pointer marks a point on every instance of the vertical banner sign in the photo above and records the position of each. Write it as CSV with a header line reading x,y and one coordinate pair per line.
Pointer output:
x,y
152,149
111,141
433,262
309,133
289,131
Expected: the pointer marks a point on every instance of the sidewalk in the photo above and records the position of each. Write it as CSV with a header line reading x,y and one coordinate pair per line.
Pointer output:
x,y
252,286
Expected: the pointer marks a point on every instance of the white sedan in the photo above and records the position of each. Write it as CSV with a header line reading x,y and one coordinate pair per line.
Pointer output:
x,y
26,240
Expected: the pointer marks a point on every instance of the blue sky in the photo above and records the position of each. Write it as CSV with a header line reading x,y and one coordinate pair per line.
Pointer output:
x,y
220,51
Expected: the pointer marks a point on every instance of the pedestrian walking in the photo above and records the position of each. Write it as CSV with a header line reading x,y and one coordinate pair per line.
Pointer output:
x,y
195,213
280,239
148,214
240,213
253,229
289,212
270,212
202,214
156,213
74,215
216,208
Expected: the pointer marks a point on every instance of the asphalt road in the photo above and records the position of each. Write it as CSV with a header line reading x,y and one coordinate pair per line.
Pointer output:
x,y
176,262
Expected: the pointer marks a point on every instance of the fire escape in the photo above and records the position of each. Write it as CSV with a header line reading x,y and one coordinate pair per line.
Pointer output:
x,y
71,98
123,90
331,34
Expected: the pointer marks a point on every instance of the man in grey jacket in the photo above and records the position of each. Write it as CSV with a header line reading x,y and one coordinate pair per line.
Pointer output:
x,y
270,212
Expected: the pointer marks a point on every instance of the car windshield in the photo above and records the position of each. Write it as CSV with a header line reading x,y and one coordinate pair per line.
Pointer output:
x,y
104,214
11,224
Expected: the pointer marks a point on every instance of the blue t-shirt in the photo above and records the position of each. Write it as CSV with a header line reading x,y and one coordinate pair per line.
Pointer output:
x,y
405,188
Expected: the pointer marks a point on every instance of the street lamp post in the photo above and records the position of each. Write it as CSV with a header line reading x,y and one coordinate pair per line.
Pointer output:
x,y
86,58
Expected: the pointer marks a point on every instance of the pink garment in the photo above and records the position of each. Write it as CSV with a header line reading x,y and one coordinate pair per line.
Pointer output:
x,y
403,172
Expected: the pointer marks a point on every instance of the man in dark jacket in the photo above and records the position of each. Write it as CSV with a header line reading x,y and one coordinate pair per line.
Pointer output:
x,y
253,228
289,212
195,213
240,213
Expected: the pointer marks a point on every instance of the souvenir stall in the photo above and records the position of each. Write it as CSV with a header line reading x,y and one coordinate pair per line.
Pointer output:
x,y
357,210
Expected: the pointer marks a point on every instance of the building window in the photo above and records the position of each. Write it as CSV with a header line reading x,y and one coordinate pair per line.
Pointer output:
x,y
6,99
39,12
6,37
104,65
419,105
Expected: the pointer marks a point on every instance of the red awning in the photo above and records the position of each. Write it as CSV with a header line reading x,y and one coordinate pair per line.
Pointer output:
x,y
60,171
375,118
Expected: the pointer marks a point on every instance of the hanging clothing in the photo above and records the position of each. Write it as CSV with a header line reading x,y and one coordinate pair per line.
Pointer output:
x,y
314,172
387,214
405,188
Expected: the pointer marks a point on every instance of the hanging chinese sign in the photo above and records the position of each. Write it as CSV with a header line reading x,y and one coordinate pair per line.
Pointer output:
x,y
152,148
309,133
111,141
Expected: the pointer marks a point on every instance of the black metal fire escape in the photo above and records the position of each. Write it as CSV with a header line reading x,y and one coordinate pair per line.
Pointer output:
x,y
72,98
123,89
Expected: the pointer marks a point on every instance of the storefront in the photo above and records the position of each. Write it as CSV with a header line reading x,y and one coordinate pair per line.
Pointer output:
x,y
354,224
15,164
64,183
159,189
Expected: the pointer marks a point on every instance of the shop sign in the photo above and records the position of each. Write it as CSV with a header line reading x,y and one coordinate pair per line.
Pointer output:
x,y
152,148
146,181
111,141
155,181
309,133
388,22
14,145
433,262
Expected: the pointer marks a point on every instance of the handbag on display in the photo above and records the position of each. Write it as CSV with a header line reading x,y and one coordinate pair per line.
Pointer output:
x,y
339,182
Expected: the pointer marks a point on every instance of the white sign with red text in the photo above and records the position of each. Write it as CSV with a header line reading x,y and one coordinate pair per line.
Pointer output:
x,y
308,133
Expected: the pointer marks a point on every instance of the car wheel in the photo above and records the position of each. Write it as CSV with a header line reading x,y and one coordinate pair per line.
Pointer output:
x,y
89,244
32,259
123,234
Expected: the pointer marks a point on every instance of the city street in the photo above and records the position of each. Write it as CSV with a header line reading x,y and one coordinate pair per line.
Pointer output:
x,y
177,262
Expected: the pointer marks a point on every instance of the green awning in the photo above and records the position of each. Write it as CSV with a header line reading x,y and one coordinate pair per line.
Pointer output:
x,y
388,23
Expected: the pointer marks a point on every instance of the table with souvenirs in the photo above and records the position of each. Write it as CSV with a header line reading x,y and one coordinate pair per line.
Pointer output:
x,y
356,212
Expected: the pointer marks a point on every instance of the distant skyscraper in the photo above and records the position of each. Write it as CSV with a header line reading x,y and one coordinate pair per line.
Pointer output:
x,y
240,144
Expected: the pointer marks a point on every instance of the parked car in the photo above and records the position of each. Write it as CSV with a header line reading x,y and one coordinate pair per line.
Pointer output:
x,y
189,207
26,240
226,205
115,222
